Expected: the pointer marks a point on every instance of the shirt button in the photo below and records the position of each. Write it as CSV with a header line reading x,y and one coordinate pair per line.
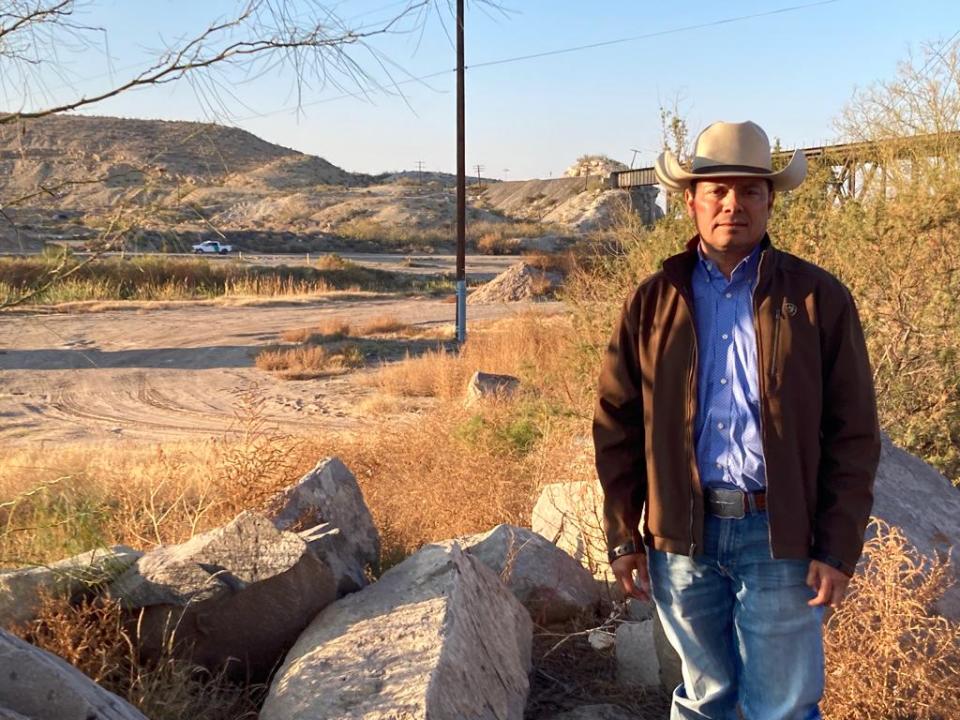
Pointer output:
x,y
719,466
729,295
720,426
723,381
725,336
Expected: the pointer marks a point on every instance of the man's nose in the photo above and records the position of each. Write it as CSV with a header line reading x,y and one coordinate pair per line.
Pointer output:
x,y
731,201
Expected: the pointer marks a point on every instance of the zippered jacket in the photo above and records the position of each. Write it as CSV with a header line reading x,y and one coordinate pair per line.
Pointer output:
x,y
821,440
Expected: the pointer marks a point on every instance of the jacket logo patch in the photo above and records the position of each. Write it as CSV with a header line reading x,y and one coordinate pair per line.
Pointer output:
x,y
790,309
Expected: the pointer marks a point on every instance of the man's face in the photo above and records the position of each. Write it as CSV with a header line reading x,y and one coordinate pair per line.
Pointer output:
x,y
731,213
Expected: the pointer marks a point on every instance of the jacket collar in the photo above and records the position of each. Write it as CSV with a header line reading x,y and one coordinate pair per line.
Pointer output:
x,y
678,268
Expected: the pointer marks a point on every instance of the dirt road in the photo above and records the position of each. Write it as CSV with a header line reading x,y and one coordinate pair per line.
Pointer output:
x,y
157,374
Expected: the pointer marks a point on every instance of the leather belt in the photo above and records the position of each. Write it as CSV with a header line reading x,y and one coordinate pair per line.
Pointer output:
x,y
734,503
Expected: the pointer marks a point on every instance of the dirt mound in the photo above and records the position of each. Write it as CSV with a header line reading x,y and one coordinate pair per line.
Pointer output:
x,y
518,282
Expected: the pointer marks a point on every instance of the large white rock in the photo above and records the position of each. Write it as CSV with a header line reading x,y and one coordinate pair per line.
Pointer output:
x,y
438,636
920,501
570,516
41,686
329,496
236,597
637,663
482,386
20,589
547,581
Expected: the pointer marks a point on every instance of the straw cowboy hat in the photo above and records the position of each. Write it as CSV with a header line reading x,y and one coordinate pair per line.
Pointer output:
x,y
731,150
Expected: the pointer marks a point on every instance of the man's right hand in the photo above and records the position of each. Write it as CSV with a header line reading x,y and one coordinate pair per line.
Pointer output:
x,y
623,568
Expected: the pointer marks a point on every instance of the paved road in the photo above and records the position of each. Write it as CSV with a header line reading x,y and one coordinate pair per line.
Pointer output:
x,y
479,267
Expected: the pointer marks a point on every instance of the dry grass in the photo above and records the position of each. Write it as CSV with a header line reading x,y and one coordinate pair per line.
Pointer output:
x,y
329,330
93,636
888,654
539,350
383,325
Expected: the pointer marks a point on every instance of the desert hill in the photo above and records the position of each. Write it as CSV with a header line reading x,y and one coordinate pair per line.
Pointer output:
x,y
184,180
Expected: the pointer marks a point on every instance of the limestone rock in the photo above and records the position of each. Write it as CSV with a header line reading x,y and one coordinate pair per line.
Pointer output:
x,y
605,711
329,497
920,501
489,385
236,597
518,282
40,686
6,714
637,663
20,589
594,165
549,583
570,516
438,636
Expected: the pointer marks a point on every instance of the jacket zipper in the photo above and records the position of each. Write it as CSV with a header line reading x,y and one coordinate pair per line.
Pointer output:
x,y
691,421
777,316
690,441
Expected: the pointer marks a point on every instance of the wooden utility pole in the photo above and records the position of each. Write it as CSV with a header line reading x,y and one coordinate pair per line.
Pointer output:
x,y
461,187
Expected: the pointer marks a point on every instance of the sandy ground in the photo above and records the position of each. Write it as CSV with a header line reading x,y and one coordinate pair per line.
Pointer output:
x,y
158,374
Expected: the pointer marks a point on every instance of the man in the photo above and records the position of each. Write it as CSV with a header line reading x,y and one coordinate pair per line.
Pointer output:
x,y
736,417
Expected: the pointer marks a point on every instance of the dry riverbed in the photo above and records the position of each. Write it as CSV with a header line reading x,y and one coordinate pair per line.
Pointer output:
x,y
166,372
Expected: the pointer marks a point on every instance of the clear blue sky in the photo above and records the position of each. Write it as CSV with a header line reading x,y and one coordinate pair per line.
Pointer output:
x,y
792,72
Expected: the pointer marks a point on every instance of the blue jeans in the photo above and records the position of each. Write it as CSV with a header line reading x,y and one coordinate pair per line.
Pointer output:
x,y
741,624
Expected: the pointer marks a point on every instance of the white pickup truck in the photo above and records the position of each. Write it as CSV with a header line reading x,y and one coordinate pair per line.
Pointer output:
x,y
212,246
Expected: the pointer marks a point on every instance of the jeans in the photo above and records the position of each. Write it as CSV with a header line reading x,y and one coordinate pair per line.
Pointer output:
x,y
741,624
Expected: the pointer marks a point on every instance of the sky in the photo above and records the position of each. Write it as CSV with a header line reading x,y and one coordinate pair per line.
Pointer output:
x,y
790,65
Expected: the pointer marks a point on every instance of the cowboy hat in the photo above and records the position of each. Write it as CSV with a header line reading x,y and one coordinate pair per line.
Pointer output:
x,y
731,150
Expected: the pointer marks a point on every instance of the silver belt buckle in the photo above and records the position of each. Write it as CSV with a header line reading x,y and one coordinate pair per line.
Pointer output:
x,y
728,500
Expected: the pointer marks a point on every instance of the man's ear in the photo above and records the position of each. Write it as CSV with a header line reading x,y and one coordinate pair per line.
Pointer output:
x,y
770,202
688,201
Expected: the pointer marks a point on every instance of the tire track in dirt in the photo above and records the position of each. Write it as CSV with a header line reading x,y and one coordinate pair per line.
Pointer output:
x,y
153,375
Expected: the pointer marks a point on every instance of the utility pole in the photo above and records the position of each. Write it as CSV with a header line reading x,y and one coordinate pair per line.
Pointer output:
x,y
420,173
479,179
506,173
633,159
461,187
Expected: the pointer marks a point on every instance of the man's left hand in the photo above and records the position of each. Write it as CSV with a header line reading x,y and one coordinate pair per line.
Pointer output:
x,y
828,583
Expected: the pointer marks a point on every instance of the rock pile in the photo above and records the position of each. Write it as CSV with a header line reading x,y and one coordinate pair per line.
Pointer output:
x,y
594,165
446,634
518,282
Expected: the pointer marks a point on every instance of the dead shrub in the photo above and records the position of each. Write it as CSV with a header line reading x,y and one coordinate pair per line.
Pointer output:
x,y
93,636
383,325
301,362
888,654
563,262
495,243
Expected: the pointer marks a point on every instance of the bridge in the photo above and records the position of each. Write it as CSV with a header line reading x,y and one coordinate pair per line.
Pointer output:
x,y
854,167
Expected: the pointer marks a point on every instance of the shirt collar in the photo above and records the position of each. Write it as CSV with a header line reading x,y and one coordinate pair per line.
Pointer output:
x,y
745,271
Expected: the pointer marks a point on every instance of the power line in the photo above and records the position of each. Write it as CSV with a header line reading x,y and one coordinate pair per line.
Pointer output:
x,y
558,51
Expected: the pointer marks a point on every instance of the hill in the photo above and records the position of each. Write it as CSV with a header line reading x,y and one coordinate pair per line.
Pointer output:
x,y
68,177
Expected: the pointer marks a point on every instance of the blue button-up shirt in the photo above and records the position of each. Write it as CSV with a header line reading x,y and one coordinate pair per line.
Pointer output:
x,y
729,445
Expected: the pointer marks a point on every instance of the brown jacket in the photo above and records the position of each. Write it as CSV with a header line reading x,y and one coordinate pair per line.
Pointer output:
x,y
821,440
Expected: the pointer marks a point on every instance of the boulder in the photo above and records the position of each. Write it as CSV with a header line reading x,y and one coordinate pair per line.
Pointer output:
x,y
40,686
605,711
550,584
234,598
326,498
483,386
570,516
920,501
637,663
437,636
21,589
